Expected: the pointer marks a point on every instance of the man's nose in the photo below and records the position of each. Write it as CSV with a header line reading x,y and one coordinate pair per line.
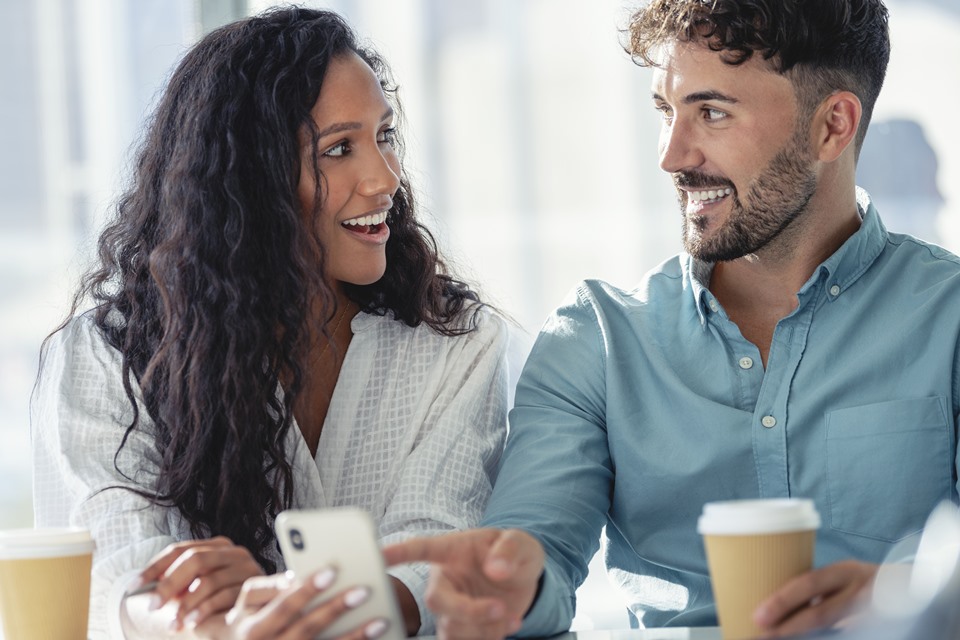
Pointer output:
x,y
679,150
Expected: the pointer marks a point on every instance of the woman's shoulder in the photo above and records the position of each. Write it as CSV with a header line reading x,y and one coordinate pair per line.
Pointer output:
x,y
476,322
80,375
80,347
82,332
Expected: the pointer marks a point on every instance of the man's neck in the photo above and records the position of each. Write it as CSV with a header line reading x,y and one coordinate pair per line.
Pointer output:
x,y
760,289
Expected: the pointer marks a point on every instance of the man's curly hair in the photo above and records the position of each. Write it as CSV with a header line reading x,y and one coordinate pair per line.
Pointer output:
x,y
823,46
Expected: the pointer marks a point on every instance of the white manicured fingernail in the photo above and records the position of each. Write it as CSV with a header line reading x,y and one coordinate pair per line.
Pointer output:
x,y
324,579
154,603
375,629
356,597
191,620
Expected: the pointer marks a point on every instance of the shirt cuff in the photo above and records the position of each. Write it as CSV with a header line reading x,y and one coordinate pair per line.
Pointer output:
x,y
552,611
415,576
115,601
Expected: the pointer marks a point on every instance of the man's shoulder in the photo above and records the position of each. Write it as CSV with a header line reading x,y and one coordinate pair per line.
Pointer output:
x,y
923,262
663,280
910,245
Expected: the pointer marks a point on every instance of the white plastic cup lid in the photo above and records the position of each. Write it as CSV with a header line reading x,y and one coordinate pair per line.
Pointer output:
x,y
747,517
45,543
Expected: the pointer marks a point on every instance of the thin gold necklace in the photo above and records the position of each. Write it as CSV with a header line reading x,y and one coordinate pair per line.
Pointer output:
x,y
332,335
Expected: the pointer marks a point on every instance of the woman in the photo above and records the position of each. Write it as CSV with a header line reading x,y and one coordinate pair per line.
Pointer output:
x,y
271,328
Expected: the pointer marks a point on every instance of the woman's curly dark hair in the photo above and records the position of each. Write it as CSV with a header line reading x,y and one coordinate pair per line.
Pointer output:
x,y
207,273
822,45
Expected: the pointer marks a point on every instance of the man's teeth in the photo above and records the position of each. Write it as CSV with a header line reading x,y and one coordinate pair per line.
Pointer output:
x,y
712,194
371,220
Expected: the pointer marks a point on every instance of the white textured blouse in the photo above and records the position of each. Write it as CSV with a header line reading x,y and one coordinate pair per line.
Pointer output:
x,y
413,435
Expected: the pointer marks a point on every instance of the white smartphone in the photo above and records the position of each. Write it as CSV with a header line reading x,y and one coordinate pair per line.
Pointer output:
x,y
343,538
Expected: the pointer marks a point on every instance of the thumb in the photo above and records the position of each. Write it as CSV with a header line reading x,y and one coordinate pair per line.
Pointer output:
x,y
513,554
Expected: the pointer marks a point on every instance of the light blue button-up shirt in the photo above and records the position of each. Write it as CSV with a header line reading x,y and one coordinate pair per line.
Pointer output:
x,y
637,407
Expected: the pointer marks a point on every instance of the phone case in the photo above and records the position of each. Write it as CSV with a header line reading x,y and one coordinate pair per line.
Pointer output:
x,y
345,539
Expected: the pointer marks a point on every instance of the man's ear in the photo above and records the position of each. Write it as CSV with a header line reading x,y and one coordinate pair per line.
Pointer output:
x,y
835,125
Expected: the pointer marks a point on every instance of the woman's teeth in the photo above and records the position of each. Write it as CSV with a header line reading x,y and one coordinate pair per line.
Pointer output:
x,y
371,220
710,195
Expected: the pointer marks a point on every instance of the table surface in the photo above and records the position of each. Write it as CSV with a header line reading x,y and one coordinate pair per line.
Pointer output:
x,y
680,633
676,633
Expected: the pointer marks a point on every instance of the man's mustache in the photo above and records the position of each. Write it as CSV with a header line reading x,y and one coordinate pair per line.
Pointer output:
x,y
697,180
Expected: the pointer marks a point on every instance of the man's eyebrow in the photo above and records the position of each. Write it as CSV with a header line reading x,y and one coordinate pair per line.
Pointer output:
x,y
701,96
337,127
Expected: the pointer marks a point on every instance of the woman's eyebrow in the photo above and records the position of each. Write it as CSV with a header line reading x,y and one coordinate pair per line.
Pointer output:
x,y
337,127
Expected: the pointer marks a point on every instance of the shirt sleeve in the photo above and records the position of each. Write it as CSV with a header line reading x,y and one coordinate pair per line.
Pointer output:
x,y
79,415
956,421
447,477
556,477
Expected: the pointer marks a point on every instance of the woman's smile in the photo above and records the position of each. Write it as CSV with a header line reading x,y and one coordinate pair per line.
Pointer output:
x,y
370,227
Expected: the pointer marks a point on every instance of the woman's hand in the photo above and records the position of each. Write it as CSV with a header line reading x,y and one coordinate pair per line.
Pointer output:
x,y
204,577
276,607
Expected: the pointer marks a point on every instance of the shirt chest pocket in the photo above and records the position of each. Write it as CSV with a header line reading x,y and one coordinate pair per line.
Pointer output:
x,y
888,465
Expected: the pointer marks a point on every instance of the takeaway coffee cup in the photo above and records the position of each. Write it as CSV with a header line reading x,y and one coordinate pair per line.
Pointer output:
x,y
753,547
45,583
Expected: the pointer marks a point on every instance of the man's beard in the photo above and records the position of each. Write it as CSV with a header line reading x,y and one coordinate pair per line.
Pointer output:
x,y
777,198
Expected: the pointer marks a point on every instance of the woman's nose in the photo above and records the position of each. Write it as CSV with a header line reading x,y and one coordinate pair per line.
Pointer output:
x,y
381,174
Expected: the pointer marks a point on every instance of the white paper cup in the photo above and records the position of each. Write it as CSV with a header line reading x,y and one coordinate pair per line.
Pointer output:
x,y
754,547
45,583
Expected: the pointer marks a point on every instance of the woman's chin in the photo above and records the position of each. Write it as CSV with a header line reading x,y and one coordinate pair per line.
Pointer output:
x,y
363,280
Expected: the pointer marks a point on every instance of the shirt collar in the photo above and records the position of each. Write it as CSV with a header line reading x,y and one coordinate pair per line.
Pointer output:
x,y
842,269
697,274
859,251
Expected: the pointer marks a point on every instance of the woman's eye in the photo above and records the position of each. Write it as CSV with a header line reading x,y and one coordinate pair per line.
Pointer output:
x,y
338,150
388,136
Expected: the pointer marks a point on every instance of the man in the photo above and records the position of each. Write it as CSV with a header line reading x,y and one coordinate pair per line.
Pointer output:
x,y
795,349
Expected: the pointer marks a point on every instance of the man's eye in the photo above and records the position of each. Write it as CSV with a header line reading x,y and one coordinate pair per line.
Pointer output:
x,y
665,112
338,150
713,115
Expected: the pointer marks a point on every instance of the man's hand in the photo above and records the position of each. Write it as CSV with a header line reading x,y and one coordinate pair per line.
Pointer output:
x,y
816,599
482,581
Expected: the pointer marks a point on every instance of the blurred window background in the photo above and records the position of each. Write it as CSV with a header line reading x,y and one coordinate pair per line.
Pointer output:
x,y
530,139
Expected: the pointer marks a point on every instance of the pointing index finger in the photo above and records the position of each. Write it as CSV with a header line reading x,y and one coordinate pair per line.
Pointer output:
x,y
416,550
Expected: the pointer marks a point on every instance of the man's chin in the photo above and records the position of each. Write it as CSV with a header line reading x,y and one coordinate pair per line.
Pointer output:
x,y
706,253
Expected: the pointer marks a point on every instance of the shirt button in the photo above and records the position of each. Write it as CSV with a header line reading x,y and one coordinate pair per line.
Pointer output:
x,y
834,291
746,363
713,306
769,422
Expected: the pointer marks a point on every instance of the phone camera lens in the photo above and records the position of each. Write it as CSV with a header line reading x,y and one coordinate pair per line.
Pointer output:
x,y
296,539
